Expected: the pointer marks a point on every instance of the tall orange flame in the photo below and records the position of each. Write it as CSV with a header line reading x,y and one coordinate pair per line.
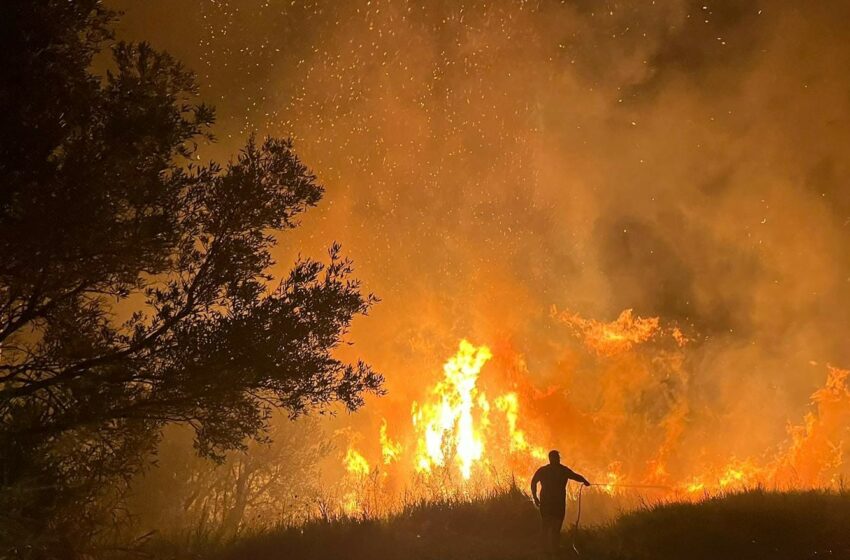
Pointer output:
x,y
446,426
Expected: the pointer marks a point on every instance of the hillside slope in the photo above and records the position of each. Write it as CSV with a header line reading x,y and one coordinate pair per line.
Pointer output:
x,y
750,525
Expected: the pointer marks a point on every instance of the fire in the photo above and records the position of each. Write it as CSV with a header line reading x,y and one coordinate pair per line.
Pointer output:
x,y
731,476
509,404
735,475
695,486
812,459
390,450
450,431
634,411
612,478
350,503
447,427
358,469
617,336
355,463
815,454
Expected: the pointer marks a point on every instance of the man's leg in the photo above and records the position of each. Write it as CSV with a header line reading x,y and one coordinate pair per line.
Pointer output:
x,y
545,533
557,523
551,532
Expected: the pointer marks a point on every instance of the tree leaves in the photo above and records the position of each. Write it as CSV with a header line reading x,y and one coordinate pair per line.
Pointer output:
x,y
134,284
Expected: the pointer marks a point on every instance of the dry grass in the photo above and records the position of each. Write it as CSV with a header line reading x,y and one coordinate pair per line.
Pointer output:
x,y
750,525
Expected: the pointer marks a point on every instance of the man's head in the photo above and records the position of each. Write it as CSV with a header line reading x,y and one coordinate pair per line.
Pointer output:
x,y
554,457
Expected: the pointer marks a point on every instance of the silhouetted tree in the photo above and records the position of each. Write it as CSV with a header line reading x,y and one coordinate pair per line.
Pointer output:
x,y
268,484
134,285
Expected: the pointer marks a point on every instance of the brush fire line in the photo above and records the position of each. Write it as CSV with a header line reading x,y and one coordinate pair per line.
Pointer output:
x,y
463,440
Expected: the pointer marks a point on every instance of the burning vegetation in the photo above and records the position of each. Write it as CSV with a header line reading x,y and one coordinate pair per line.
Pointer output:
x,y
473,430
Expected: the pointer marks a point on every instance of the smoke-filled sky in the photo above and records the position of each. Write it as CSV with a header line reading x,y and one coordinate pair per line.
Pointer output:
x,y
486,161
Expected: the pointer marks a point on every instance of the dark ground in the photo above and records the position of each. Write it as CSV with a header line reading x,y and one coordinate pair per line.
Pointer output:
x,y
751,525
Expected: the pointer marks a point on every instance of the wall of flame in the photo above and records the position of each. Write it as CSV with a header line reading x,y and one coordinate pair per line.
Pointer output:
x,y
463,439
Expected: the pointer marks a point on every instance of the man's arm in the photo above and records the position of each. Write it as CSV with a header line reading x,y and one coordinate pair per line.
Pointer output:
x,y
534,481
572,475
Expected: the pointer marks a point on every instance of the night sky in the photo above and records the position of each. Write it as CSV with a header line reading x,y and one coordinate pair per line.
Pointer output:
x,y
486,161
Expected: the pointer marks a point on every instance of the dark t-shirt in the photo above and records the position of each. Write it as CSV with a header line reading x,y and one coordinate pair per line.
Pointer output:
x,y
553,492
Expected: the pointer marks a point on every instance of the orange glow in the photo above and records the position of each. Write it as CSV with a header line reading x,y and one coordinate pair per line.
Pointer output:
x,y
482,170
612,479
461,439
614,337
695,486
815,455
356,464
445,425
390,450
450,432
509,404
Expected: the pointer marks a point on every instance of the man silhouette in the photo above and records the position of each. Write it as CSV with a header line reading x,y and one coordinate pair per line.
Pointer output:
x,y
553,479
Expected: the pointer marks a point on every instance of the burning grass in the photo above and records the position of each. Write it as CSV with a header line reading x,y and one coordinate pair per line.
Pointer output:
x,y
751,524
470,434
449,462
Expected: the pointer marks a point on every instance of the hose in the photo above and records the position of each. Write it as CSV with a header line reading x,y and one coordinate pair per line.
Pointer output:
x,y
578,504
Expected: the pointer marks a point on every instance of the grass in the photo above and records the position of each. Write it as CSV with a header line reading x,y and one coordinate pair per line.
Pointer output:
x,y
750,525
